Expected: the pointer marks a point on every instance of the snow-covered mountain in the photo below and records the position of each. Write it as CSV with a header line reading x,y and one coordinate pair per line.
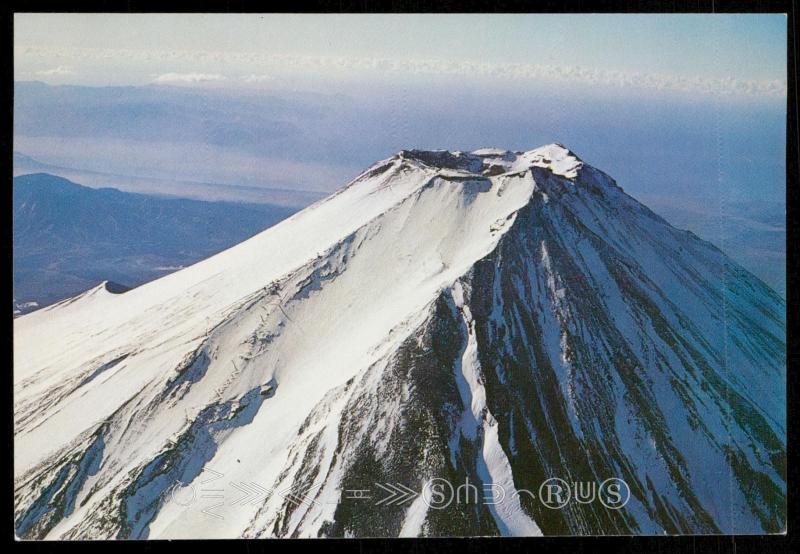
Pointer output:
x,y
498,317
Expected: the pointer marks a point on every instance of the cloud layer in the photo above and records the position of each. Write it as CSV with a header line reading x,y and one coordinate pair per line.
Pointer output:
x,y
351,66
188,77
60,70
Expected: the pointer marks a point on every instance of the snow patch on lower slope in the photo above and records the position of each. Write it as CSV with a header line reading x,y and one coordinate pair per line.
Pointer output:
x,y
478,423
414,520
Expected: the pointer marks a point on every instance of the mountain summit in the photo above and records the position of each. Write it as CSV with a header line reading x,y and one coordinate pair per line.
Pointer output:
x,y
503,320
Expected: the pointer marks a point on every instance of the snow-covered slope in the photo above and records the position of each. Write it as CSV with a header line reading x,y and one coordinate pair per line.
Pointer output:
x,y
494,316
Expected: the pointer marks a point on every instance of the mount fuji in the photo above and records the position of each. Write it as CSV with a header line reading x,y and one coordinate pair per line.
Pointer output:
x,y
494,318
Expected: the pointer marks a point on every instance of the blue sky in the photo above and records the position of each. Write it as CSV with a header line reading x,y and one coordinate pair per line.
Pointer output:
x,y
690,52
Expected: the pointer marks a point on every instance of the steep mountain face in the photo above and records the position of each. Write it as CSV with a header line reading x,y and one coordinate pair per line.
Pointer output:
x,y
68,237
493,318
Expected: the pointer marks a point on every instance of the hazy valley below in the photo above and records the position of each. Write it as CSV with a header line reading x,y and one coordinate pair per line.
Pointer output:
x,y
68,238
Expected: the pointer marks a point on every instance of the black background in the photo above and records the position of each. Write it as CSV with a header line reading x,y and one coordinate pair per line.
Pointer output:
x,y
576,545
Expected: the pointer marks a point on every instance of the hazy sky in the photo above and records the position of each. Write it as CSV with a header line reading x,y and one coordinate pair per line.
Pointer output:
x,y
731,54
670,104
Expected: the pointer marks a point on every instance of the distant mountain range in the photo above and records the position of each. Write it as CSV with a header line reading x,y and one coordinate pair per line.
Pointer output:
x,y
68,238
24,165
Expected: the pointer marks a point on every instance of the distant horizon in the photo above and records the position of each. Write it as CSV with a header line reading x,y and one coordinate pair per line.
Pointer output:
x,y
729,54
318,142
